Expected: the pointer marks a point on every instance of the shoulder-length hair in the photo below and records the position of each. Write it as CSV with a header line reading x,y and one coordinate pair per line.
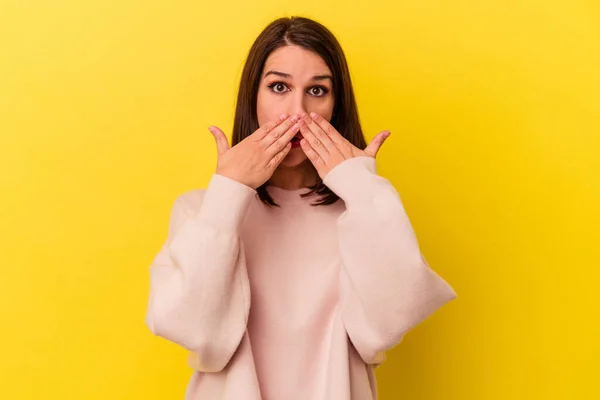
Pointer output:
x,y
313,36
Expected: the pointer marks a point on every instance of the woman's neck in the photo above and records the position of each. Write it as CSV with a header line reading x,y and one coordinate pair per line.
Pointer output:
x,y
292,178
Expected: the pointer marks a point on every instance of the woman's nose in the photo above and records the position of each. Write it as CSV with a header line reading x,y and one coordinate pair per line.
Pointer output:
x,y
298,106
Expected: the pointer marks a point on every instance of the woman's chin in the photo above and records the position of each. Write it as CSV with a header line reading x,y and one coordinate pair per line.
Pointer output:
x,y
294,158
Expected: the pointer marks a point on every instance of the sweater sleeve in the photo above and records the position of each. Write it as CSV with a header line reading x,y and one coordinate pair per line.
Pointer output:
x,y
199,290
386,286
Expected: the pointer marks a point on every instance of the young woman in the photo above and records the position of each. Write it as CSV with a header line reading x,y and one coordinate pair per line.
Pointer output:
x,y
293,272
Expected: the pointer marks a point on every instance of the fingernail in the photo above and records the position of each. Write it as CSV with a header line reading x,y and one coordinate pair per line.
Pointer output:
x,y
313,115
282,117
294,118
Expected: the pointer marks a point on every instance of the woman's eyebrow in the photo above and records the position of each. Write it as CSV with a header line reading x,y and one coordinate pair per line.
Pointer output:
x,y
284,75
281,74
322,77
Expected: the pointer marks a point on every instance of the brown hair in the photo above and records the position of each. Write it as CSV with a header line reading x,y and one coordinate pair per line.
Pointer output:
x,y
315,37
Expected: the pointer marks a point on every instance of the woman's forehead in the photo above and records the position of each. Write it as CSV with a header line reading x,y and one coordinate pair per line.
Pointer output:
x,y
297,62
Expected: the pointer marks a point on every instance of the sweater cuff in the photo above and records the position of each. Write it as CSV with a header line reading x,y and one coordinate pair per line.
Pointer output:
x,y
353,179
225,204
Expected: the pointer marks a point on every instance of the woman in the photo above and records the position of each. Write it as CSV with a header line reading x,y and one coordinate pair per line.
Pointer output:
x,y
294,271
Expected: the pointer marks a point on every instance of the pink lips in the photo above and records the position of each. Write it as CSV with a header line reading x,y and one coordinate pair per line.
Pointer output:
x,y
296,140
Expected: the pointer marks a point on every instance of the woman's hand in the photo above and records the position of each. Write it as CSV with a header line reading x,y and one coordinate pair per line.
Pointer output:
x,y
253,160
325,147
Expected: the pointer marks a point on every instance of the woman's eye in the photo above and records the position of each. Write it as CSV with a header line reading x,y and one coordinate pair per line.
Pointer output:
x,y
277,87
318,91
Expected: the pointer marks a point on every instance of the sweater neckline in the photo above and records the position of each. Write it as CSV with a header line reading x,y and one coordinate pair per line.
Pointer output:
x,y
290,196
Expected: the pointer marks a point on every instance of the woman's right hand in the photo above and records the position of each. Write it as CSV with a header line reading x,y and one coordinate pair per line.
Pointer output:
x,y
253,160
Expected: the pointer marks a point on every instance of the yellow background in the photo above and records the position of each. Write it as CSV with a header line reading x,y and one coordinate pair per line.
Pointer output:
x,y
494,112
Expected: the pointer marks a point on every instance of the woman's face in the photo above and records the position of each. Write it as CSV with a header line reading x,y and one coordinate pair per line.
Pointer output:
x,y
294,80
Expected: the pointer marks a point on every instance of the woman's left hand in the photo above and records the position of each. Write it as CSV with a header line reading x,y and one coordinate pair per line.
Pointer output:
x,y
325,147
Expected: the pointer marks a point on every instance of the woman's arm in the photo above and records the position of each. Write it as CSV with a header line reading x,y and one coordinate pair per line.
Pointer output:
x,y
199,290
386,286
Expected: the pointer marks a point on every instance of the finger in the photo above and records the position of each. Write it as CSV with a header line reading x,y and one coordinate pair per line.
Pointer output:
x,y
318,133
329,130
313,141
376,143
220,139
275,161
275,133
283,140
312,155
264,130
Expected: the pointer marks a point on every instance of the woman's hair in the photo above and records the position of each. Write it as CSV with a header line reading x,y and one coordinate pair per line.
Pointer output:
x,y
315,37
